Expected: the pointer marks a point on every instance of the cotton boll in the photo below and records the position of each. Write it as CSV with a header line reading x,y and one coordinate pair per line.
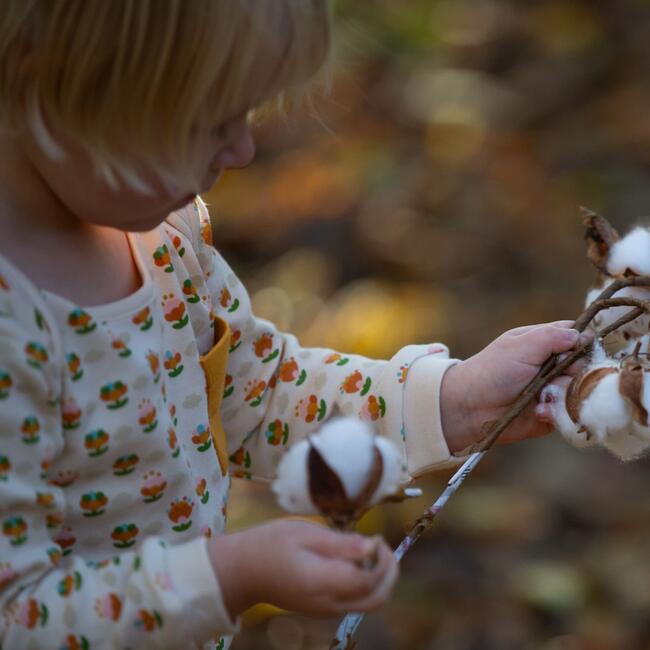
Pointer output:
x,y
394,471
605,409
291,487
632,253
634,329
555,396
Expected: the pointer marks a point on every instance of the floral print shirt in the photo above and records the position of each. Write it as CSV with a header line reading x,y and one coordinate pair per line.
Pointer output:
x,y
109,480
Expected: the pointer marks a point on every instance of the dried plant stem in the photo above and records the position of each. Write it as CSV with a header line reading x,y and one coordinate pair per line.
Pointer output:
x,y
551,369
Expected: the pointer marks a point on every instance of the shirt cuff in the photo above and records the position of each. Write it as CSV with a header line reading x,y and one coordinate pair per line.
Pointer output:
x,y
426,446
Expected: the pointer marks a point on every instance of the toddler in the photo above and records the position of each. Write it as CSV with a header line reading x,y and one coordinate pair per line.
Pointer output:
x,y
134,378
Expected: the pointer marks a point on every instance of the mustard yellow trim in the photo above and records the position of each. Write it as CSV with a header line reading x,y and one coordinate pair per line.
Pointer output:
x,y
214,365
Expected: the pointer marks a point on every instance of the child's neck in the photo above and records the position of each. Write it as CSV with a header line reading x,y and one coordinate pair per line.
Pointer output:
x,y
40,236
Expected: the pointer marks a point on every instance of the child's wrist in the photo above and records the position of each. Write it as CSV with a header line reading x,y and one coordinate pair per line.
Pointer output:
x,y
456,412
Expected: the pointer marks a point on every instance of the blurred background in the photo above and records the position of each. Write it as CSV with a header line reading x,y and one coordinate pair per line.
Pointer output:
x,y
436,198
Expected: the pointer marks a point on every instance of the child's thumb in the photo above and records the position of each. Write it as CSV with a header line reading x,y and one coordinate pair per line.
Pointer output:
x,y
346,546
541,342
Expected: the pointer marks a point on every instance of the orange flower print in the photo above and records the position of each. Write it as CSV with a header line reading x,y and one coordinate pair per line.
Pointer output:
x,y
81,321
5,384
277,432
201,490
311,409
65,539
5,466
74,366
173,363
354,383
109,607
254,392
93,503
172,413
148,620
32,613
235,340
172,441
206,233
161,258
336,358
189,290
70,414
7,574
202,438
45,499
15,528
72,642
113,393
120,345
53,521
30,428
96,442
174,310
180,514
241,457
263,347
373,409
144,319
402,373
70,582
227,302
228,388
290,372
54,555
124,535
147,416
154,365
153,486
125,465
178,244
64,477
36,354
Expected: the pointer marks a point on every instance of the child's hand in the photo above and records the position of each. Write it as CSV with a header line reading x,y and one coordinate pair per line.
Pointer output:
x,y
481,388
302,567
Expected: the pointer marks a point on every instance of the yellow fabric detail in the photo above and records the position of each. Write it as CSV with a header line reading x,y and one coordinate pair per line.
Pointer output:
x,y
214,365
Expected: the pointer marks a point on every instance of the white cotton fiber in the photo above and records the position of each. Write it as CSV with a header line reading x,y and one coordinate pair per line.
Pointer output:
x,y
556,397
291,486
631,252
605,410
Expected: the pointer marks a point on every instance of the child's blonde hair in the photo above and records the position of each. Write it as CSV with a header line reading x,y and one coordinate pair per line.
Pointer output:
x,y
150,76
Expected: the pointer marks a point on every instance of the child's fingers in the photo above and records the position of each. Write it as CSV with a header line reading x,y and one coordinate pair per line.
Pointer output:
x,y
346,546
538,344
524,329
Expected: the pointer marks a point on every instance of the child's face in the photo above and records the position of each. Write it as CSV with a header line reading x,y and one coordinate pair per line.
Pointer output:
x,y
89,197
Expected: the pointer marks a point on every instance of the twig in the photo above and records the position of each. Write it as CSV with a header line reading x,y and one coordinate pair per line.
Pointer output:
x,y
551,369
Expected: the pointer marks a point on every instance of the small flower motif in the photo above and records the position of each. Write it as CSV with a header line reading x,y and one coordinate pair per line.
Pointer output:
x,y
32,613
109,607
173,363
403,373
227,302
15,528
72,642
174,310
74,366
202,438
311,409
70,582
206,233
93,503
120,345
149,620
161,258
277,432
30,428
228,388
5,466
124,535
53,521
5,384
263,348
178,244
144,319
70,414
7,574
147,416
64,477
254,392
373,408
172,413
81,321
113,393
36,354
125,465
336,358
180,513
289,372
189,290
235,340
96,442
154,365
45,499
354,383
153,486
54,555
65,539
172,441
201,490
241,457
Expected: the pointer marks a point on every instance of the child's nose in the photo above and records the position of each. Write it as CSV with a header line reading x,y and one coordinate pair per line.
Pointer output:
x,y
239,147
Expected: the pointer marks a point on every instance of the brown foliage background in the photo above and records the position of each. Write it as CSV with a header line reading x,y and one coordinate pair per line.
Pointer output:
x,y
436,198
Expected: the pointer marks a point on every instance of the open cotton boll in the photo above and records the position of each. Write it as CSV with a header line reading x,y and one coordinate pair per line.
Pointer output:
x,y
291,487
605,409
632,253
638,327
556,397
